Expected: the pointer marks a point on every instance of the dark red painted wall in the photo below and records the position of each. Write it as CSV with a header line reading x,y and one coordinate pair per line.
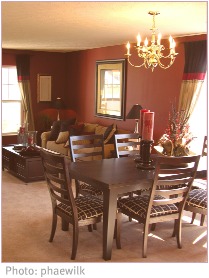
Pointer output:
x,y
153,90
73,79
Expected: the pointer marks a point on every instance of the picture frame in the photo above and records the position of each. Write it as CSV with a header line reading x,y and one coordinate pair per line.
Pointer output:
x,y
110,89
44,86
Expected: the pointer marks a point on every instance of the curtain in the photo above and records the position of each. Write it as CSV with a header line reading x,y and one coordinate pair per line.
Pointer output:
x,y
193,77
23,74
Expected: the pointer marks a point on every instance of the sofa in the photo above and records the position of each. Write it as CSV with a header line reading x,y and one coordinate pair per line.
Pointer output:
x,y
57,139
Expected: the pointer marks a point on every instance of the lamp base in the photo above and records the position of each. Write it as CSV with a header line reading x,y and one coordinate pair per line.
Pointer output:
x,y
136,127
58,116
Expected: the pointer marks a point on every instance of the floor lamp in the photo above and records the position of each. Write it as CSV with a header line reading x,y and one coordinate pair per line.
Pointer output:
x,y
134,113
58,105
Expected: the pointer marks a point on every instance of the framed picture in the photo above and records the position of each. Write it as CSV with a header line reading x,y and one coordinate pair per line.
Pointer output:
x,y
44,86
110,89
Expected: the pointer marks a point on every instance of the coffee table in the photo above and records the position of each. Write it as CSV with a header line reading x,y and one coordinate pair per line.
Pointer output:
x,y
27,168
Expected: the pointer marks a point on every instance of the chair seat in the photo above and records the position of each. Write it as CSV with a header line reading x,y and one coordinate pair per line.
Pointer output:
x,y
87,207
138,205
197,198
89,189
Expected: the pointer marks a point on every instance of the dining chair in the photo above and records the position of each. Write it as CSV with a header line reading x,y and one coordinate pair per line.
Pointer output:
x,y
127,144
84,148
197,202
163,203
77,211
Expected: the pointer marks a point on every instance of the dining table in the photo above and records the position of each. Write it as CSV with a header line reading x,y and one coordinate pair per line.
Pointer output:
x,y
114,176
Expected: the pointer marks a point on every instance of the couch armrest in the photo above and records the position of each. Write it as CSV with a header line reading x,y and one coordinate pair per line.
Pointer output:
x,y
44,138
109,150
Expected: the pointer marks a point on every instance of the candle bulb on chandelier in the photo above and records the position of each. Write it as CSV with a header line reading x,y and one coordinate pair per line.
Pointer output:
x,y
171,41
146,42
128,48
138,40
159,38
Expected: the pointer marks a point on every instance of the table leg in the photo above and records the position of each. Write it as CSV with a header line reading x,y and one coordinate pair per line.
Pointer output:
x,y
110,206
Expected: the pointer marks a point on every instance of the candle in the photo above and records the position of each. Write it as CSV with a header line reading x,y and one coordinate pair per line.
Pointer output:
x,y
146,42
170,40
148,126
138,40
128,48
159,38
142,111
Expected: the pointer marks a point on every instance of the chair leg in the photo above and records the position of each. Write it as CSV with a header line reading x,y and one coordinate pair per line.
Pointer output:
x,y
90,228
153,226
75,241
202,219
174,228
193,217
117,230
94,226
145,239
54,226
130,195
178,232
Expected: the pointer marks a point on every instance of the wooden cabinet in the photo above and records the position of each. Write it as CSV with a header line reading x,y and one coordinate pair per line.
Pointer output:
x,y
26,168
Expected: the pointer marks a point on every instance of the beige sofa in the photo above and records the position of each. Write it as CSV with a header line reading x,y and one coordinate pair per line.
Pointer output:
x,y
61,144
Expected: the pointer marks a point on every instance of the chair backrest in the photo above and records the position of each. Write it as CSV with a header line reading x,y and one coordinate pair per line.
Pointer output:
x,y
58,179
173,179
205,146
86,147
127,144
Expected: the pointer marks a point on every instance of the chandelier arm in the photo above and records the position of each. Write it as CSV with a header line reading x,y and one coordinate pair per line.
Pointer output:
x,y
138,66
168,66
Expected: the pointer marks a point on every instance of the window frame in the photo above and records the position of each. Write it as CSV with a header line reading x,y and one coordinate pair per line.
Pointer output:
x,y
11,133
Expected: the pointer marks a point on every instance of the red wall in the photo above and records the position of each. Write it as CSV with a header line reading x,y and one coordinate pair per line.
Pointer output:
x,y
152,90
73,79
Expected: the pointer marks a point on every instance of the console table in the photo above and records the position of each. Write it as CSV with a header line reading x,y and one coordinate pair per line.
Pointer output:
x,y
27,168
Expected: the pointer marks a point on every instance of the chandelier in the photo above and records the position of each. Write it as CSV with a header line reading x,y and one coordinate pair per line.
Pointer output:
x,y
152,55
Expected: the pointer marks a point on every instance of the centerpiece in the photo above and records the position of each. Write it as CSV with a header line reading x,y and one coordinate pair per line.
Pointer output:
x,y
177,137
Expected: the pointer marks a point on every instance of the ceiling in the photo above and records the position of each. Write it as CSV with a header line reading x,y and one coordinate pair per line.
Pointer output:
x,y
70,26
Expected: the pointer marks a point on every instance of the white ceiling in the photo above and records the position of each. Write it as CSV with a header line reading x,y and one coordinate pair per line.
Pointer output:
x,y
69,26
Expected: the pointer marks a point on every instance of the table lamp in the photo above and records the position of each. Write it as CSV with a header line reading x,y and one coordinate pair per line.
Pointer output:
x,y
58,105
134,113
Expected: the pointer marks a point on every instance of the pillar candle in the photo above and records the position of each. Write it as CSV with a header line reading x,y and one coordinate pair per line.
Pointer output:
x,y
148,126
142,111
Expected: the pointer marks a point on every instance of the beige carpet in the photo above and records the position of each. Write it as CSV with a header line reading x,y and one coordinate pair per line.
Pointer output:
x,y
26,224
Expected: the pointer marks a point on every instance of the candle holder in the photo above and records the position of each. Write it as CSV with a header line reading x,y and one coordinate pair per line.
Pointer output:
x,y
144,162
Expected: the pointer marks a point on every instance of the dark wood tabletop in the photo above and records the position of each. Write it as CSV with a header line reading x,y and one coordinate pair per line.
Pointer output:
x,y
112,176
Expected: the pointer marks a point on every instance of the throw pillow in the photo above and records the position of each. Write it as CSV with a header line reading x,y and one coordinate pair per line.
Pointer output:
x,y
76,129
73,131
62,137
55,131
64,131
65,125
90,127
109,133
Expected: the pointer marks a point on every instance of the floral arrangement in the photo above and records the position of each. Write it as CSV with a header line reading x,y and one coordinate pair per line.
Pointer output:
x,y
175,141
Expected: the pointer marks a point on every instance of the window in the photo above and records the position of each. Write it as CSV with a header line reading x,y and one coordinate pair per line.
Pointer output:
x,y
11,102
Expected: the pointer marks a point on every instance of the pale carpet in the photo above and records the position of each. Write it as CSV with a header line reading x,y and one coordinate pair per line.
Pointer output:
x,y
26,224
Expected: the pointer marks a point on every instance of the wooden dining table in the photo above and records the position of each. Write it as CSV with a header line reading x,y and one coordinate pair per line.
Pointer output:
x,y
113,176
